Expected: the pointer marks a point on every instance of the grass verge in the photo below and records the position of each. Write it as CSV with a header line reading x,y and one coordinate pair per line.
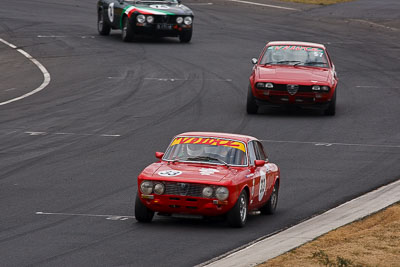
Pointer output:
x,y
372,241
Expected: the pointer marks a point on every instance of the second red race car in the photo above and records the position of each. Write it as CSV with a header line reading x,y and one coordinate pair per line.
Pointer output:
x,y
289,73
209,174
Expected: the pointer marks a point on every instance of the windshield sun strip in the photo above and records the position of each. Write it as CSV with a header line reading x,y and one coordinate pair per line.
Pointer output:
x,y
234,165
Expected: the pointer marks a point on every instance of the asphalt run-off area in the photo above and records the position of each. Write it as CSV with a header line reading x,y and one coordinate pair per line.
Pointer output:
x,y
81,115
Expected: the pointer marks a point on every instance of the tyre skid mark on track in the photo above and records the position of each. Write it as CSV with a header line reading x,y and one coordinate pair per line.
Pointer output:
x,y
330,144
79,248
260,4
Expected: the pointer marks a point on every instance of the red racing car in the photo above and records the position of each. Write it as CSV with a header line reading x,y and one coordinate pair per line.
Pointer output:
x,y
293,73
209,174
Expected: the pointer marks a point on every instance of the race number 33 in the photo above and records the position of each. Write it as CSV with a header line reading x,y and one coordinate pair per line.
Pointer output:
x,y
263,185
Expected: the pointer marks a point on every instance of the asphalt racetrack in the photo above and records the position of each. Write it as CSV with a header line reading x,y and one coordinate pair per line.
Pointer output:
x,y
70,154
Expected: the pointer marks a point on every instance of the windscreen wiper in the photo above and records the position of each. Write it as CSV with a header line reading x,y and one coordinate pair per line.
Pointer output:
x,y
207,158
178,159
315,63
283,61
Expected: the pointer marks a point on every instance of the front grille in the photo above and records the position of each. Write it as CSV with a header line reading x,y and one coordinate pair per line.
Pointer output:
x,y
168,19
184,189
283,87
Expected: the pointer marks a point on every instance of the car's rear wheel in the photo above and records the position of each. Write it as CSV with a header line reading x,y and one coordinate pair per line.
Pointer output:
x,y
185,36
102,26
331,110
270,206
142,213
237,216
251,106
127,31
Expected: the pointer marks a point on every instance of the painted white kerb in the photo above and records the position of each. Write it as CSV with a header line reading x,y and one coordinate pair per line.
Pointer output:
x,y
46,74
306,231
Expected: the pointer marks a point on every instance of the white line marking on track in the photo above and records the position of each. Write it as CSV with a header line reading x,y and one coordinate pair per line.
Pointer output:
x,y
64,36
46,74
329,144
51,36
10,89
180,79
260,4
198,4
108,217
366,86
36,133
82,134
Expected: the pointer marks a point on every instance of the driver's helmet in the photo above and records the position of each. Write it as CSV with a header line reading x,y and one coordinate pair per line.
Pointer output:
x,y
194,150
278,55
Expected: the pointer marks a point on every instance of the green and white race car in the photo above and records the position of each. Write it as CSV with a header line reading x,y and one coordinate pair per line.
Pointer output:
x,y
152,17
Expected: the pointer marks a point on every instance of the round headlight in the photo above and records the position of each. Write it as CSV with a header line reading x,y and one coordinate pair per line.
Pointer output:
x,y
325,88
316,87
150,19
207,191
222,193
260,85
179,20
141,18
269,85
146,187
159,188
188,20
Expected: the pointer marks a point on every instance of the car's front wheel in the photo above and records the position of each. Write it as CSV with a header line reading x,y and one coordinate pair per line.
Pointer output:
x,y
127,31
270,206
237,216
185,36
142,213
331,110
102,27
251,107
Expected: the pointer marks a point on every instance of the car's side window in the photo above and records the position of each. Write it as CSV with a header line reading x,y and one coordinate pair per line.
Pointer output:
x,y
252,153
260,154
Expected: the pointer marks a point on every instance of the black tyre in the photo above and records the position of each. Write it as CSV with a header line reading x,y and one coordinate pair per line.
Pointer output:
x,y
331,110
142,213
102,26
185,36
270,206
127,30
237,216
251,106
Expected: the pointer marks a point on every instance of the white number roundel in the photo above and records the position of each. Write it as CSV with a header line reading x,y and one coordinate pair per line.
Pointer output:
x,y
111,12
263,185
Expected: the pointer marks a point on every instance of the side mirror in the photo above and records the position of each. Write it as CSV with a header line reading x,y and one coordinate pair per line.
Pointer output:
x,y
254,60
259,163
159,155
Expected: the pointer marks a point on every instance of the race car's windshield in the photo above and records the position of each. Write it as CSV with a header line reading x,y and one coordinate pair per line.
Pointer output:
x,y
207,150
295,55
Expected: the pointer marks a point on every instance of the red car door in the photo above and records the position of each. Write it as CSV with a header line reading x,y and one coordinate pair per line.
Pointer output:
x,y
266,173
259,177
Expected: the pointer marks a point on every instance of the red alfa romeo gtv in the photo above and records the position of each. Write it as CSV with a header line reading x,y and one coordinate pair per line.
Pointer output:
x,y
293,73
209,174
